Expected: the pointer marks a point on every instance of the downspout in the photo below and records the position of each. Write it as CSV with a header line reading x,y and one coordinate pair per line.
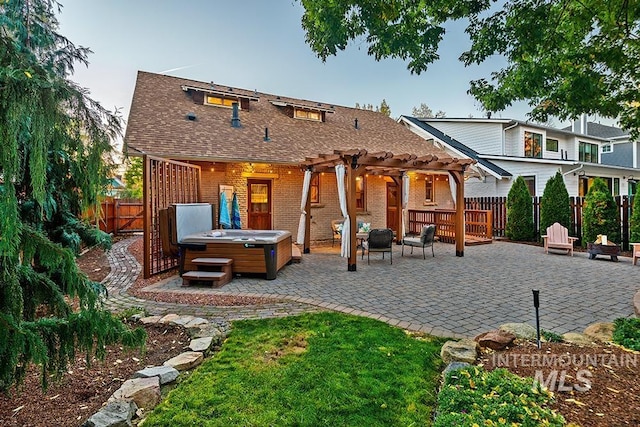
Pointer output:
x,y
574,170
504,137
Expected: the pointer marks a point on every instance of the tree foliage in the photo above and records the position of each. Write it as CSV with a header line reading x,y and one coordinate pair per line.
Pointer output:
x,y
600,214
634,227
425,111
133,178
555,205
519,212
382,108
53,142
564,57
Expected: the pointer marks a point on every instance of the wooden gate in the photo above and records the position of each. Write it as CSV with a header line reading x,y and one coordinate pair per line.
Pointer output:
x,y
165,182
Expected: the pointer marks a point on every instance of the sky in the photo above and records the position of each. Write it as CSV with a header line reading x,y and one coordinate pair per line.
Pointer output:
x,y
256,44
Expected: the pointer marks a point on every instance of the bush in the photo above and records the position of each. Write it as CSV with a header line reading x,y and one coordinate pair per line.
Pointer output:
x,y
519,212
600,214
555,205
634,227
626,332
473,396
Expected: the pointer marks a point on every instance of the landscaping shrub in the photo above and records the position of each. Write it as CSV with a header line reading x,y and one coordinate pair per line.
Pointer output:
x,y
600,214
634,222
550,336
473,396
519,212
555,205
627,332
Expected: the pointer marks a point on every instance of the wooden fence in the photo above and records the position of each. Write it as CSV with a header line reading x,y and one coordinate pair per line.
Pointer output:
x,y
498,206
478,223
119,216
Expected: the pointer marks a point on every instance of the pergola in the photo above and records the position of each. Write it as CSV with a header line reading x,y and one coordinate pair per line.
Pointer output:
x,y
358,162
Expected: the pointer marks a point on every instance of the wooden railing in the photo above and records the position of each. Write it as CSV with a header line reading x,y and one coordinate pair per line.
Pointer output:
x,y
478,223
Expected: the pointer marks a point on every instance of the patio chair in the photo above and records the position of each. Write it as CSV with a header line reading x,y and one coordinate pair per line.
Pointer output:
x,y
336,229
426,239
557,237
380,240
635,252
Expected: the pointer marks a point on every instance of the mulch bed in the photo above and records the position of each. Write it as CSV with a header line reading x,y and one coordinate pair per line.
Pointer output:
x,y
612,395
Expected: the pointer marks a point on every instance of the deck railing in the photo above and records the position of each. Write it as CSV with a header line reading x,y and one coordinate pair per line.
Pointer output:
x,y
478,223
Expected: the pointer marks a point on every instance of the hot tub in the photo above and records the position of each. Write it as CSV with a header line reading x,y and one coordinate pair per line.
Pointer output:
x,y
252,251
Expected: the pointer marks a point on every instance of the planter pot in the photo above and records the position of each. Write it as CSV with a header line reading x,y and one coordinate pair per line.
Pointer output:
x,y
594,249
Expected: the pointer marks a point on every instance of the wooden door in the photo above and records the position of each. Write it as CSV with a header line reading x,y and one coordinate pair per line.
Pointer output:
x,y
259,193
392,206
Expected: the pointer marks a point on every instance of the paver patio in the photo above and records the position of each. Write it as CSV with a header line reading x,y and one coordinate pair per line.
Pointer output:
x,y
453,296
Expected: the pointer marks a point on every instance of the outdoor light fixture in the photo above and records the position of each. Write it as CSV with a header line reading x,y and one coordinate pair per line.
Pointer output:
x,y
191,116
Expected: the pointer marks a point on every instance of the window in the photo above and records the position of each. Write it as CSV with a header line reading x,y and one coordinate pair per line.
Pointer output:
x,y
616,187
314,190
607,148
308,115
361,202
531,184
429,193
532,145
588,152
552,145
219,101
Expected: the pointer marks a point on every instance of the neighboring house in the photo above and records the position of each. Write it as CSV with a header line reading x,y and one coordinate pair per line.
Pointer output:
x,y
253,143
115,187
505,149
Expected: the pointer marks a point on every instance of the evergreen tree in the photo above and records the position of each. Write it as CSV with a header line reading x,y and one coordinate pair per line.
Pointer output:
x,y
555,205
600,214
519,212
634,228
53,139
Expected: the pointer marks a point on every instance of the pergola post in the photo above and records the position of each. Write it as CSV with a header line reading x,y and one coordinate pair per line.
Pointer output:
x,y
351,211
307,223
458,177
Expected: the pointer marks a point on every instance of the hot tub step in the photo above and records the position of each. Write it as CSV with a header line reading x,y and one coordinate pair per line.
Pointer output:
x,y
216,262
217,278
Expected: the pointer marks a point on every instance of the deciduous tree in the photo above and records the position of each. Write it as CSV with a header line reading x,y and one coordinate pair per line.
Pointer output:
x,y
425,111
53,142
600,214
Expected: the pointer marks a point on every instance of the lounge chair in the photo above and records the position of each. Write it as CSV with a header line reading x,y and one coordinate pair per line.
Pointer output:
x,y
557,237
636,252
380,240
427,238
336,229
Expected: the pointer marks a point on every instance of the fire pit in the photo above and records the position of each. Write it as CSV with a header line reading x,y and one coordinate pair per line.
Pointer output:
x,y
611,249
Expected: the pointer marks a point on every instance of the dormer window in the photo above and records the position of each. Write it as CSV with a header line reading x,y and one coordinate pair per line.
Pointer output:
x,y
219,101
308,115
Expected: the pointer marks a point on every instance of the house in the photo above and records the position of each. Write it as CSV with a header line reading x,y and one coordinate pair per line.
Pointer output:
x,y
252,144
505,149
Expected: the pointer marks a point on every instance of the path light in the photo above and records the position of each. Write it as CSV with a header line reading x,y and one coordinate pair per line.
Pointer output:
x,y
536,304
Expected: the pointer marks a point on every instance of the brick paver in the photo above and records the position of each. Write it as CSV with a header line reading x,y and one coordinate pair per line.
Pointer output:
x,y
445,295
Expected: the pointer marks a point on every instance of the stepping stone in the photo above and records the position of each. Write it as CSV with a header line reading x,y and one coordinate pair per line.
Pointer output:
x,y
169,318
166,374
496,339
459,351
186,360
201,344
196,321
579,339
206,330
117,413
145,392
602,331
524,331
149,320
182,320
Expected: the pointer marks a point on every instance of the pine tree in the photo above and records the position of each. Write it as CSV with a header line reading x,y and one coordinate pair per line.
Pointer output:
x,y
53,142
519,212
555,205
634,228
600,214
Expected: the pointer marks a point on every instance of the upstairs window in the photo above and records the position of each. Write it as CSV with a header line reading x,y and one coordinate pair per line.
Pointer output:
x,y
219,101
588,152
533,145
307,115
552,145
607,148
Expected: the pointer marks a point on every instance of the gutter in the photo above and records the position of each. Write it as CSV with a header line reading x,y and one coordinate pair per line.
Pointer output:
x,y
574,170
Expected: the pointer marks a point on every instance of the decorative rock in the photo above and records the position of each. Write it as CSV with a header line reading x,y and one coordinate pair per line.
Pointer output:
x,y
117,413
186,360
575,338
602,331
150,320
496,339
201,344
169,318
144,391
207,330
166,374
521,330
196,322
459,351
182,320
453,366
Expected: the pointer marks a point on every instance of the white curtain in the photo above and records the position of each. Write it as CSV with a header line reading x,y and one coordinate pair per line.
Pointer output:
x,y
452,188
342,196
405,200
303,203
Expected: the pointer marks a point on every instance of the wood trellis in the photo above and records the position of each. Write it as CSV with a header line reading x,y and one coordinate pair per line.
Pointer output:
x,y
165,182
359,162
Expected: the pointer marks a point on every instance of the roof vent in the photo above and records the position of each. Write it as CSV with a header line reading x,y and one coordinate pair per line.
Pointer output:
x,y
212,85
266,135
191,116
230,89
235,118
355,124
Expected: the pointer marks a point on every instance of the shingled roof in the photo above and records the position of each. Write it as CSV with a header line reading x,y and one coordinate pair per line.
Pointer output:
x,y
158,125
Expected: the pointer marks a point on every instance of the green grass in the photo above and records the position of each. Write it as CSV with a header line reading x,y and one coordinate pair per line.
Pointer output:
x,y
311,370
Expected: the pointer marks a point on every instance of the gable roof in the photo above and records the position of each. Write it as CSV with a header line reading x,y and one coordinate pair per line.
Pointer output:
x,y
603,131
458,146
158,125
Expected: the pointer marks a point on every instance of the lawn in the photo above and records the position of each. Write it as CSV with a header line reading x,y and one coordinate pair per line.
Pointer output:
x,y
316,369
